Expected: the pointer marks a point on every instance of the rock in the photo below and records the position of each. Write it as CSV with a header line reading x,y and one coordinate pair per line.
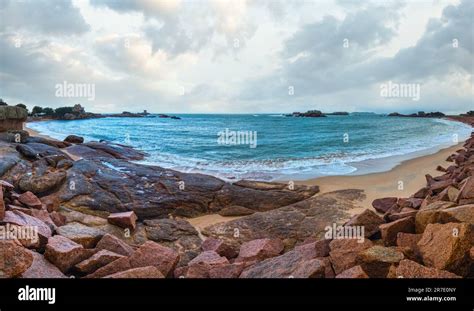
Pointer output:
x,y
119,265
99,259
153,254
355,272
449,194
64,253
297,263
404,213
74,139
177,234
115,245
41,269
148,272
369,220
49,142
409,240
422,193
84,235
30,200
377,260
27,152
14,259
414,203
220,247
292,224
430,214
384,204
260,249
344,253
314,268
235,211
446,247
466,192
42,183
200,266
58,219
64,164
260,196
6,185
410,269
390,230
123,220
226,271
319,248
464,213
50,202
2,204
24,220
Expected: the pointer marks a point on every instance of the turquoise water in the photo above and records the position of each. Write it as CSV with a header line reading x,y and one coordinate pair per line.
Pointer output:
x,y
284,146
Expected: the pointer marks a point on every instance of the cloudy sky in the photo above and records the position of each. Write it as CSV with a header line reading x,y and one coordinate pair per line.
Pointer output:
x,y
238,56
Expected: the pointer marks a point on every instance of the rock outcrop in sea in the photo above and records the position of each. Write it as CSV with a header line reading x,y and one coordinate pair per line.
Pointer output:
x,y
97,214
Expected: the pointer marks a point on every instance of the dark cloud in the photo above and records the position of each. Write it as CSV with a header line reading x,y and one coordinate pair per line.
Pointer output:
x,y
315,62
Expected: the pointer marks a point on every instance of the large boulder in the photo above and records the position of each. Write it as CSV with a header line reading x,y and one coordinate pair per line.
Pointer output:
x,y
466,193
177,234
115,245
430,214
14,259
200,266
30,200
355,272
41,269
84,235
410,269
123,220
292,224
74,139
28,222
42,183
390,230
64,253
220,247
99,259
369,220
344,252
148,272
154,254
384,204
446,246
296,263
12,118
377,260
258,250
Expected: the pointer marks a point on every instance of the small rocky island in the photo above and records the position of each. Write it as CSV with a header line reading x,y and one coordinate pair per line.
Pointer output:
x,y
420,114
307,114
317,114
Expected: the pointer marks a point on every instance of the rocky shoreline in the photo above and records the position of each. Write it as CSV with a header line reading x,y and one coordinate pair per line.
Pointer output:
x,y
98,214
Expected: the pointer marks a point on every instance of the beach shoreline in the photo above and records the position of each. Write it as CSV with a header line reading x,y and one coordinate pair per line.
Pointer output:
x,y
401,179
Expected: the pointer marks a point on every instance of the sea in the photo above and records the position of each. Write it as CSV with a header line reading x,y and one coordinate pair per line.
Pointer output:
x,y
269,147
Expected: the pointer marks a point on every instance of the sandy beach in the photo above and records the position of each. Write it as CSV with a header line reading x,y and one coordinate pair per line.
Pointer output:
x,y
409,175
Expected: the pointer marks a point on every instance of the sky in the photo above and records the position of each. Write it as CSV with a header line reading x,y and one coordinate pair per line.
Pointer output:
x,y
238,56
